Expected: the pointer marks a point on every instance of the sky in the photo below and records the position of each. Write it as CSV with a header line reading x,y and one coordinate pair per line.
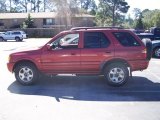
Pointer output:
x,y
143,4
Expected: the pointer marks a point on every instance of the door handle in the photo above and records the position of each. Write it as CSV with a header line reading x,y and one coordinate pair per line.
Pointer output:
x,y
108,52
73,53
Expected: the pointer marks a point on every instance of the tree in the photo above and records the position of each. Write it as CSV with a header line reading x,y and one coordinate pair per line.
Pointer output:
x,y
3,7
129,22
151,18
10,5
44,5
73,6
103,15
139,24
156,19
22,5
87,4
137,13
116,8
29,22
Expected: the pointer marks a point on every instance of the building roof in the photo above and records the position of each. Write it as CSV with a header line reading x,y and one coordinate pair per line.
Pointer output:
x,y
36,15
25,15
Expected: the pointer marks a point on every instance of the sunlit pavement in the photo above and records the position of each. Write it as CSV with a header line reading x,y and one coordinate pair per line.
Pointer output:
x,y
77,98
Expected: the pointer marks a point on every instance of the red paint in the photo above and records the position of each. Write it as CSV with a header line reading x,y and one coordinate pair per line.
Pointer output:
x,y
82,60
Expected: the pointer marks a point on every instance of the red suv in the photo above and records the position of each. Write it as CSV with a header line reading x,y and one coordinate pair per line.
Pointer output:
x,y
111,52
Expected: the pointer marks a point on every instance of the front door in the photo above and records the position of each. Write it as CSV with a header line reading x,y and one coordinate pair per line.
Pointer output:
x,y
64,57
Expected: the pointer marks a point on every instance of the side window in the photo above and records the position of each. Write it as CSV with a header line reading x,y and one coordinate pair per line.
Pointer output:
x,y
16,33
126,39
7,33
66,41
95,40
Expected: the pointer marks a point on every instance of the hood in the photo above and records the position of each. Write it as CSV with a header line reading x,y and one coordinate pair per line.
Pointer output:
x,y
28,53
24,49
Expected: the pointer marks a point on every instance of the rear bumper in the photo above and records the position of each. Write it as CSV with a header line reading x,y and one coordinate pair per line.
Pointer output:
x,y
139,64
10,66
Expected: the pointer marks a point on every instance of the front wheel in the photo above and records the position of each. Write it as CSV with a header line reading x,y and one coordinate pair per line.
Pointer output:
x,y
1,39
116,74
26,73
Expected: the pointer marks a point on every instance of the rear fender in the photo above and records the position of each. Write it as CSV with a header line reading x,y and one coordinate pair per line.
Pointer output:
x,y
117,60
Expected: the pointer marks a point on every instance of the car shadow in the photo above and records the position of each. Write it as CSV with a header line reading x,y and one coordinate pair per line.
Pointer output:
x,y
90,89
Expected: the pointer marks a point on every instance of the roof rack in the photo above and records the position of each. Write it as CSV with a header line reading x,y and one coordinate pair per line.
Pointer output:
x,y
86,28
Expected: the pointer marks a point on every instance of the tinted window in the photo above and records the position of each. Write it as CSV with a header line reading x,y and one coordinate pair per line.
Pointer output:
x,y
126,39
157,31
95,40
16,33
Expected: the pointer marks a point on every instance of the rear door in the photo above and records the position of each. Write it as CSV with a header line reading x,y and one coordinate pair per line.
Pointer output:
x,y
8,35
97,48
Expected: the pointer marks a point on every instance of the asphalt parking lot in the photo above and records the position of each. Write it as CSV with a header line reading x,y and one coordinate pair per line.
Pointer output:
x,y
77,97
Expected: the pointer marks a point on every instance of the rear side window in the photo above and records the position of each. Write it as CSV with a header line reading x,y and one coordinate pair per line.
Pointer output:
x,y
95,40
126,39
16,33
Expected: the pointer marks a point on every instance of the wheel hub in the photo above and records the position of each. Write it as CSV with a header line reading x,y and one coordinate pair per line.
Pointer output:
x,y
116,75
26,74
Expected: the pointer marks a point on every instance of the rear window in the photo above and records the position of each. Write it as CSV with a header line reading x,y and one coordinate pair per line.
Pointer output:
x,y
126,39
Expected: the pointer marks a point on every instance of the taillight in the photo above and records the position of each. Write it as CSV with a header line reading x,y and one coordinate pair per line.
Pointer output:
x,y
144,51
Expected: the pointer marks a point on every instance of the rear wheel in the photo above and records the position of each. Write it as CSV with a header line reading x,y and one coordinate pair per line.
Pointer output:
x,y
156,52
17,39
26,73
116,74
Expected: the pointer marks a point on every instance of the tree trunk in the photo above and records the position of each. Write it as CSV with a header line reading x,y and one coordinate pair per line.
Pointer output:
x,y
10,5
31,6
26,6
113,15
44,5
38,5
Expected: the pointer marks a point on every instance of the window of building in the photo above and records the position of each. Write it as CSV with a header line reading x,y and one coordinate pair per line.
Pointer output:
x,y
95,40
48,21
126,39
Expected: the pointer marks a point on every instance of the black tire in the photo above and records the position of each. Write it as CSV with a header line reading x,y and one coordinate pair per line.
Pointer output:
x,y
156,52
1,39
26,73
17,39
119,78
148,44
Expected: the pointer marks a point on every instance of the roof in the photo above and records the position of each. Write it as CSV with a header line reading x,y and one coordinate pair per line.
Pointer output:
x,y
25,15
36,15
